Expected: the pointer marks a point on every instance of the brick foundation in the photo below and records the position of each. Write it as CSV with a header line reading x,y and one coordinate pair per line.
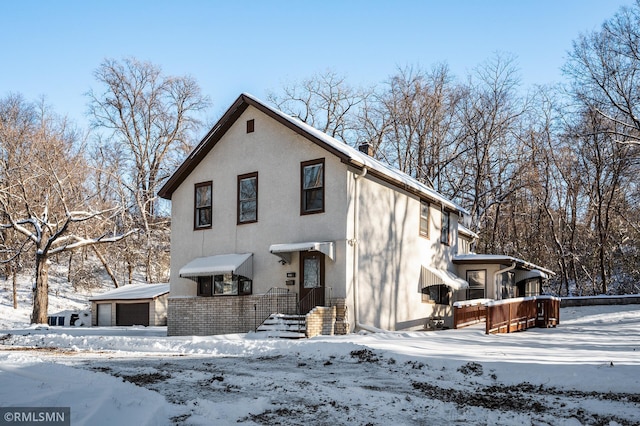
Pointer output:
x,y
205,316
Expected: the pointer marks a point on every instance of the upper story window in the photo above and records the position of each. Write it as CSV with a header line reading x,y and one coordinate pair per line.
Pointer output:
x,y
444,230
248,198
312,186
424,219
203,204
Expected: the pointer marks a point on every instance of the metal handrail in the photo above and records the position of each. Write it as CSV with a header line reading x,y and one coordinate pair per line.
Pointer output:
x,y
315,297
270,303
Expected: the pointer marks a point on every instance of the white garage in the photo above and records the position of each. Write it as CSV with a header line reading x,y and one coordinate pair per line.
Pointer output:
x,y
134,304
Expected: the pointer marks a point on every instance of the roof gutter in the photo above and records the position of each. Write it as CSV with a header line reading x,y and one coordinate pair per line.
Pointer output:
x,y
495,279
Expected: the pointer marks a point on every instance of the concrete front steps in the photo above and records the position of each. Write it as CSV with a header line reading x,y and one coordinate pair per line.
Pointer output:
x,y
283,326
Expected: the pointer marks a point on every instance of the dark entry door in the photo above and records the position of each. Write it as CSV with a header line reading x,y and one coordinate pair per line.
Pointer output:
x,y
132,314
312,280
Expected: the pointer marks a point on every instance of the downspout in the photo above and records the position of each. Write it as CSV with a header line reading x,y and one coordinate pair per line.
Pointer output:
x,y
356,254
495,279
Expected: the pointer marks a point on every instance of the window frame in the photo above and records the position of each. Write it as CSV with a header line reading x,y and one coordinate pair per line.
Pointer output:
x,y
445,231
482,273
208,283
241,178
423,227
202,283
197,209
303,192
442,292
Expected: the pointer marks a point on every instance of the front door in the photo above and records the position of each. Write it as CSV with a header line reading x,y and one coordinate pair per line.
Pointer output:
x,y
312,280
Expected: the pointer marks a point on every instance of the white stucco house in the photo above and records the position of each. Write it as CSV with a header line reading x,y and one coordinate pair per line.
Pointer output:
x,y
271,215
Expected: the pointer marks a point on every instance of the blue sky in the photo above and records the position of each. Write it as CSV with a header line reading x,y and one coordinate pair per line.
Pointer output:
x,y
51,48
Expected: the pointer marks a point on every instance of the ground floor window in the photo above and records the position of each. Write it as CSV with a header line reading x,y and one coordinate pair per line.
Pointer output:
x,y
224,285
477,280
439,294
528,287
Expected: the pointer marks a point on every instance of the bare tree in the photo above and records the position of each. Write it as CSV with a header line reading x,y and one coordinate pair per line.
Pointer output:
x,y
44,200
605,69
413,123
153,117
325,101
490,114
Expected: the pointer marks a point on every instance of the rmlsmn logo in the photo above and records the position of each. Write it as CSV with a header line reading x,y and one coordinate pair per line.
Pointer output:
x,y
40,416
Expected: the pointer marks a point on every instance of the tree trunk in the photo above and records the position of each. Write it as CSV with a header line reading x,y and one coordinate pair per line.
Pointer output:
x,y
41,291
106,266
14,271
70,266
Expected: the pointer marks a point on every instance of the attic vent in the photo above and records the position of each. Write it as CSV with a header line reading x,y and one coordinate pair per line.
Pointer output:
x,y
250,125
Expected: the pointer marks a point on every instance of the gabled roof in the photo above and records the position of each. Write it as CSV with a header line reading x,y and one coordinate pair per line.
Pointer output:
x,y
134,291
346,153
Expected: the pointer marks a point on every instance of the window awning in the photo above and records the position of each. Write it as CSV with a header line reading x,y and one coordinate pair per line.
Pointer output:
x,y
239,264
283,251
434,276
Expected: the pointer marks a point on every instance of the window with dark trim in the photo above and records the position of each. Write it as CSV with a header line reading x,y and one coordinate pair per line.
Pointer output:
x,y
444,230
224,285
248,198
424,219
312,186
202,205
251,126
438,294
477,280
205,288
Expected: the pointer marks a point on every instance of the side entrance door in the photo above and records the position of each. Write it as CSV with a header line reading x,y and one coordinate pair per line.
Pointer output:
x,y
311,280
104,314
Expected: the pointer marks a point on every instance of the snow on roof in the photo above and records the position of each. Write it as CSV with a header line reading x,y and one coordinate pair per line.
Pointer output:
x,y
498,258
134,291
466,231
363,159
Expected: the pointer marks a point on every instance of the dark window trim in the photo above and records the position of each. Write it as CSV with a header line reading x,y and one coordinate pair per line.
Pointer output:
x,y
251,125
442,294
240,178
302,191
196,208
421,232
211,280
445,238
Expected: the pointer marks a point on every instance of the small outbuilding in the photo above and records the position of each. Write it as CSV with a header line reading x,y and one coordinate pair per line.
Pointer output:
x,y
134,304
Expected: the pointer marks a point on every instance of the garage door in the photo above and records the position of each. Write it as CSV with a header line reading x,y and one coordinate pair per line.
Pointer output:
x,y
132,314
104,314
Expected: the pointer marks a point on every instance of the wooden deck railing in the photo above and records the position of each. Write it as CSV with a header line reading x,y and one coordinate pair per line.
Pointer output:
x,y
469,312
505,316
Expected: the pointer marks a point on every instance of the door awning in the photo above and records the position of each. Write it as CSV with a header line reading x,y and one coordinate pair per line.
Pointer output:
x,y
283,251
238,264
434,276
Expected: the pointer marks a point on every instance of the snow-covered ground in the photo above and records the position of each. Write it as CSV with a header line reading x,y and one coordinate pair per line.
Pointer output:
x,y
585,371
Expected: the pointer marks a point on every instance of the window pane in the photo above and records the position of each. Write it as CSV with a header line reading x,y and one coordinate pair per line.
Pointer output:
x,y
203,217
247,211
248,189
444,237
203,196
248,199
424,218
311,272
313,199
312,176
